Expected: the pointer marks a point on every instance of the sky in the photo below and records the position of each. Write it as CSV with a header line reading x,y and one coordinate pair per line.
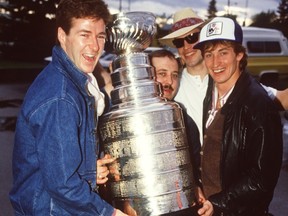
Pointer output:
x,y
244,9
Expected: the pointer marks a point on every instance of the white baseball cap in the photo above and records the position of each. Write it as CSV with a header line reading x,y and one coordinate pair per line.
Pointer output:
x,y
220,28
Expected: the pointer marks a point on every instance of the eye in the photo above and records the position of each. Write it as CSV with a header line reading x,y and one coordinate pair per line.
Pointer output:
x,y
84,35
161,74
223,53
175,76
207,55
101,37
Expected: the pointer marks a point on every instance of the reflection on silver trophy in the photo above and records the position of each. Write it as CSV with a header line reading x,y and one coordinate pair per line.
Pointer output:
x,y
153,172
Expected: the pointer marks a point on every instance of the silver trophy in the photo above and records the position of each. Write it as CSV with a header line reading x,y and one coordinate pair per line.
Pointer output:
x,y
153,172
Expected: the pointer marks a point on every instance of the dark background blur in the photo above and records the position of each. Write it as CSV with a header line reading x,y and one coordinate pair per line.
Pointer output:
x,y
27,27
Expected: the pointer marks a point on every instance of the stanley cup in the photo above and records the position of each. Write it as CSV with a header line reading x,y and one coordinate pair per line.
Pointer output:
x,y
152,174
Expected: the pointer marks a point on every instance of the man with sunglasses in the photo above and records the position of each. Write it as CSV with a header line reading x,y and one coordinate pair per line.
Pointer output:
x,y
195,78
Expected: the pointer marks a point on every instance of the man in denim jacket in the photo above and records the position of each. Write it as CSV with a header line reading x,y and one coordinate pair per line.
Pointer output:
x,y
56,151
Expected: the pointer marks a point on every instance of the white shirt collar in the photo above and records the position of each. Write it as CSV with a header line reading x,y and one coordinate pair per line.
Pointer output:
x,y
93,89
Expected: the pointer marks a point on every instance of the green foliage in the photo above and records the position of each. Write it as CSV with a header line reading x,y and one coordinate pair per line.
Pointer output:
x,y
212,10
271,19
264,19
281,22
283,11
231,16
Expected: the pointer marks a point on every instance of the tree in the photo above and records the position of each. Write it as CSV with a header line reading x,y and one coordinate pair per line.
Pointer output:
x,y
5,22
281,22
231,16
270,19
264,19
31,28
212,10
283,11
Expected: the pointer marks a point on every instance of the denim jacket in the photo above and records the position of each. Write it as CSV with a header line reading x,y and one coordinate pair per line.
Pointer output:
x,y
55,150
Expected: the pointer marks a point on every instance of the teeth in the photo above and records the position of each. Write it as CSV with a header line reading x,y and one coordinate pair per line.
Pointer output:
x,y
90,56
189,54
218,70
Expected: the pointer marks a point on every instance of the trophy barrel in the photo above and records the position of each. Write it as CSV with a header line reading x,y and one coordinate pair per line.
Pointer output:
x,y
152,174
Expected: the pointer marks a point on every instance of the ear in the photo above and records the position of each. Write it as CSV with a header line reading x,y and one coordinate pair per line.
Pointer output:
x,y
61,36
239,56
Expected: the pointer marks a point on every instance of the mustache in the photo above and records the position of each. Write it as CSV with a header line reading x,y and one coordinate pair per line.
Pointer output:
x,y
168,87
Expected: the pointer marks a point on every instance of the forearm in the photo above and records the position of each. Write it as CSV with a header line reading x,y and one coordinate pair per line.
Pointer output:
x,y
282,97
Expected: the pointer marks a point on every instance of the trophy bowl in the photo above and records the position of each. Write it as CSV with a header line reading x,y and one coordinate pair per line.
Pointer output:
x,y
129,32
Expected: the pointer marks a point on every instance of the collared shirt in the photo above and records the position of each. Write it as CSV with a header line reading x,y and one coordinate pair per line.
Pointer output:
x,y
93,89
191,93
217,103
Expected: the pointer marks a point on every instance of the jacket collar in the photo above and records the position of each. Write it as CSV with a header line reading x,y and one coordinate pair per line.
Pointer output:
x,y
68,68
241,85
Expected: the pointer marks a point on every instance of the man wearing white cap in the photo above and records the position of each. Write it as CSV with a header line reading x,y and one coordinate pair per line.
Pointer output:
x,y
242,146
195,82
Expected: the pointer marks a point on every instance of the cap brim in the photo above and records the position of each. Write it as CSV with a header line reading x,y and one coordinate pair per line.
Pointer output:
x,y
199,45
167,40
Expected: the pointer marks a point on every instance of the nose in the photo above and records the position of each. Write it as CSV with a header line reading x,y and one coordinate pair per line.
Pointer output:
x,y
186,44
169,80
216,60
94,44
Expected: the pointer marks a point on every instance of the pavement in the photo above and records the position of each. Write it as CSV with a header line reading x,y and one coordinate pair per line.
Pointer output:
x,y
11,95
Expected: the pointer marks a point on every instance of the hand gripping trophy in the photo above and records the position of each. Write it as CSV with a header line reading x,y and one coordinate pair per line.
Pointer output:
x,y
153,172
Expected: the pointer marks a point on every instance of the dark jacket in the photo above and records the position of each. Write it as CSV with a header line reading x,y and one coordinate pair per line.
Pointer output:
x,y
193,138
251,151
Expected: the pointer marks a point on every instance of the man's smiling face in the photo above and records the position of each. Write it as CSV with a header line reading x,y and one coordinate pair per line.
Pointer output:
x,y
84,43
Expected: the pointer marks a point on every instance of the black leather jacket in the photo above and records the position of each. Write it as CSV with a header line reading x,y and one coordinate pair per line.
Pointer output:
x,y
251,150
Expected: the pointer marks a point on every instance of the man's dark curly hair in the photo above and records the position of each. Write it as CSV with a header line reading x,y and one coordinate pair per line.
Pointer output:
x,y
166,53
68,10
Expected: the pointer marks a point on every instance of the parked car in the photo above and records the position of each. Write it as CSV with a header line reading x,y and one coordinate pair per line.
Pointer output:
x,y
268,55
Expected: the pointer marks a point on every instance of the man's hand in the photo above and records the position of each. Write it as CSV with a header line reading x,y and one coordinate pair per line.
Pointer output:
x,y
102,169
207,209
117,212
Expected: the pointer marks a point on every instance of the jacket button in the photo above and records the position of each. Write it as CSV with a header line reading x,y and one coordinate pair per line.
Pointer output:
x,y
94,131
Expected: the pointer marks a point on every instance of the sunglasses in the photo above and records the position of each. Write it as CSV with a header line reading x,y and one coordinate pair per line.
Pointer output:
x,y
192,38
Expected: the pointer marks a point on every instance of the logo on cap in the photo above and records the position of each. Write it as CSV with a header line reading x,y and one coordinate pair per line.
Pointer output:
x,y
214,28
